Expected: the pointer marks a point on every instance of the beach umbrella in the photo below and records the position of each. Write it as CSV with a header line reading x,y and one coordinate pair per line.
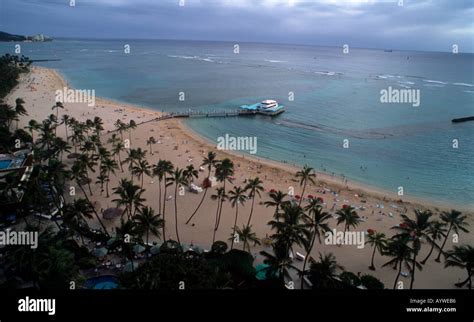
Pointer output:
x,y
370,231
112,213
261,270
137,249
155,249
310,197
297,197
321,199
272,190
111,241
344,206
100,252
128,267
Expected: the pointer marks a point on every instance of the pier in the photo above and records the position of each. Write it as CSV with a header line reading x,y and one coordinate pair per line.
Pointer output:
x,y
215,113
190,114
463,119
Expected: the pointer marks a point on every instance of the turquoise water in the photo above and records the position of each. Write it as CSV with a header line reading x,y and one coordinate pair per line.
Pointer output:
x,y
336,97
5,164
105,282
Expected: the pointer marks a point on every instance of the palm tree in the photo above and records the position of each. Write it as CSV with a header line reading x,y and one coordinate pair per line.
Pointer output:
x,y
33,126
277,201
379,242
148,222
400,252
131,126
75,214
127,234
210,161
348,216
88,163
462,257
140,169
78,130
98,125
189,174
177,178
108,166
219,196
134,156
78,173
65,119
46,135
224,173
415,230
455,220
20,109
317,222
117,147
279,263
60,146
324,274
56,107
435,231
291,227
254,186
130,196
161,170
237,196
306,175
247,236
120,127
151,140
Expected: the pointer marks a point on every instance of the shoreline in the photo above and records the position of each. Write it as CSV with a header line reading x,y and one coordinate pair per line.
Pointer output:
x,y
322,177
355,187
180,145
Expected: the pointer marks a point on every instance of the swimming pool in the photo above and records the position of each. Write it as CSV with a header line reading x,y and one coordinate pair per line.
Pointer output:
x,y
104,282
4,164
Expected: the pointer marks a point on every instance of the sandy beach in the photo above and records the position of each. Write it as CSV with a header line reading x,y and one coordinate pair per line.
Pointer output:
x,y
183,147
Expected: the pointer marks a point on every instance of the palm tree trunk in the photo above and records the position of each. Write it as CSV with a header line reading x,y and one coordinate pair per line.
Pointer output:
x,y
197,208
469,272
120,161
372,267
429,254
235,224
215,224
313,239
219,217
444,242
107,184
220,210
398,275
164,208
93,209
413,271
251,210
176,211
302,194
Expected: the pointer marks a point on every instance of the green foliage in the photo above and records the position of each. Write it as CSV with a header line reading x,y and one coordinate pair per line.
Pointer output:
x,y
371,283
169,271
10,69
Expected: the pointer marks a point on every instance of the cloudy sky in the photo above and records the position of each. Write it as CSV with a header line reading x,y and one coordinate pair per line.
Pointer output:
x,y
419,24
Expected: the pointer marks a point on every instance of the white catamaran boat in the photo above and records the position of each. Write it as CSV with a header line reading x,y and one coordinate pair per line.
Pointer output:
x,y
266,107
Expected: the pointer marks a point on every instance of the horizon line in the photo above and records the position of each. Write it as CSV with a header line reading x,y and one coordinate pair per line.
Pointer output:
x,y
253,42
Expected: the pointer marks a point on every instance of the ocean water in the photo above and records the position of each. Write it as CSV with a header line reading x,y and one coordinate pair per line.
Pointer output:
x,y
336,98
